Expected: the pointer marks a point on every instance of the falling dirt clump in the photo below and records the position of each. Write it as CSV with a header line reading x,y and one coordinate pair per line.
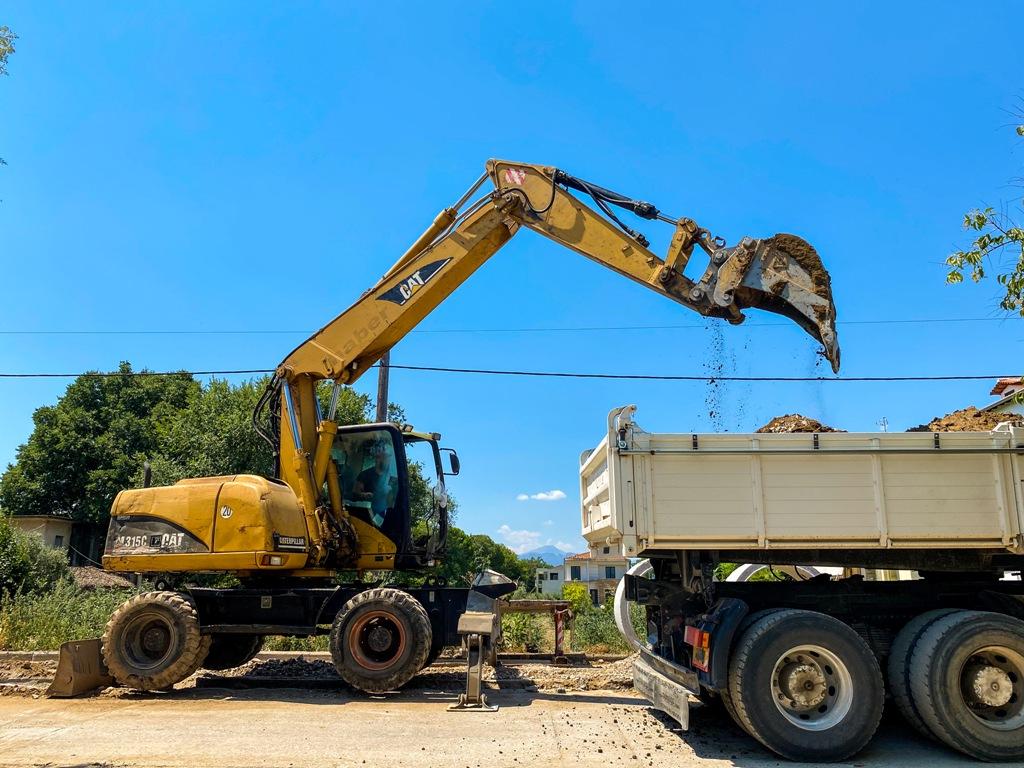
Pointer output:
x,y
969,420
794,422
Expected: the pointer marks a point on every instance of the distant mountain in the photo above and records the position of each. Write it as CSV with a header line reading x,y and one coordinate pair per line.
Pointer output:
x,y
551,555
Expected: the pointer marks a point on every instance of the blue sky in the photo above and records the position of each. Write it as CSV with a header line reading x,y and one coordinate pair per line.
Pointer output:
x,y
238,166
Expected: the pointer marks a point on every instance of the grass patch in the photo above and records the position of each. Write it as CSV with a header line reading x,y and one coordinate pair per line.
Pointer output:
x,y
42,621
280,643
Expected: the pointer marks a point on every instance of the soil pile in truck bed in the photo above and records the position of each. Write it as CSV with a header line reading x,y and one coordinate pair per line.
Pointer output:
x,y
794,422
968,420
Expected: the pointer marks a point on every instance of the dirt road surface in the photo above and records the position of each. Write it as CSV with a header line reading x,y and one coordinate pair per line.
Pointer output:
x,y
220,728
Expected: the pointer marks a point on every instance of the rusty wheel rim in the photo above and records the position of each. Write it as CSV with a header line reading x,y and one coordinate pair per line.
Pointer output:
x,y
376,640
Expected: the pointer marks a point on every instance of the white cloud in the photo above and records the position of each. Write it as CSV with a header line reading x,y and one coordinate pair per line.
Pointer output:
x,y
553,495
519,541
565,546
548,523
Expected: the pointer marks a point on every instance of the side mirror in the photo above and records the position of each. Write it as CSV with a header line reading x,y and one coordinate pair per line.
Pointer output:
x,y
453,461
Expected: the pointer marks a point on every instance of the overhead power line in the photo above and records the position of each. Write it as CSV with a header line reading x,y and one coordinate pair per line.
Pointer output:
x,y
538,374
542,329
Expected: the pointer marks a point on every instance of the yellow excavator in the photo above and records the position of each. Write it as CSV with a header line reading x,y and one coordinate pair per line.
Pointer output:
x,y
341,499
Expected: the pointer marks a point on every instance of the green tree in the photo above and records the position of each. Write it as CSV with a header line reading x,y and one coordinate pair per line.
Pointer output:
x,y
96,439
999,239
92,443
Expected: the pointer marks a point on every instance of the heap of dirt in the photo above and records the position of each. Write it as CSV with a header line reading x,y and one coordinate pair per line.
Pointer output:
x,y
969,420
795,422
88,577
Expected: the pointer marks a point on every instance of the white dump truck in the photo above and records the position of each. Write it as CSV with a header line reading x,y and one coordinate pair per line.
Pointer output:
x,y
805,664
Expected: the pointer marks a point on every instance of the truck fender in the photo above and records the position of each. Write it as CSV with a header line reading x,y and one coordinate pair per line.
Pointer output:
x,y
722,622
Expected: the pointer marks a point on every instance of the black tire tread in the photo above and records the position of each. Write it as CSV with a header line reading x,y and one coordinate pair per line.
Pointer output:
x,y
922,669
194,647
421,638
898,667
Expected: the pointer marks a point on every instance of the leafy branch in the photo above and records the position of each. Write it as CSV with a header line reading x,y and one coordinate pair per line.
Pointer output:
x,y
997,235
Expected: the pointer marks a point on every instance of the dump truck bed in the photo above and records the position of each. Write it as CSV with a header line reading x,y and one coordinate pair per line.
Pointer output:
x,y
651,492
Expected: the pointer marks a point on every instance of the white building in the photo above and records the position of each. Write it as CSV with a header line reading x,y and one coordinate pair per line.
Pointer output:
x,y
1011,396
599,569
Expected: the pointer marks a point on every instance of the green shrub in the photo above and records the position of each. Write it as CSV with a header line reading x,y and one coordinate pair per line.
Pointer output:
x,y
578,595
520,631
26,564
309,644
595,632
42,621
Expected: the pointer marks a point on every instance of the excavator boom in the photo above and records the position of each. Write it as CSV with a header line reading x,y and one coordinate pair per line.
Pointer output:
x,y
781,274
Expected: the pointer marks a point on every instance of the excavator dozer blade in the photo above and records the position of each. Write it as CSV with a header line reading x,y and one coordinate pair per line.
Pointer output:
x,y
80,669
785,275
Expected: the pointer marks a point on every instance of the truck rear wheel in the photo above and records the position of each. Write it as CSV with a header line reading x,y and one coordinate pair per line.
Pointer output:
x,y
380,639
898,668
806,686
228,651
152,641
967,683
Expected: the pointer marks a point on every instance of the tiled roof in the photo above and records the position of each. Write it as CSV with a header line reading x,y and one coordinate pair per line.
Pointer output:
x,y
1003,383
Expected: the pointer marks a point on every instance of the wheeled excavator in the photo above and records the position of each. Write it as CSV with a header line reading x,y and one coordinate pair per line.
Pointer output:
x,y
340,501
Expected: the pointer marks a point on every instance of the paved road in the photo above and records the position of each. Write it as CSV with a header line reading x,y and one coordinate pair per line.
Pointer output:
x,y
216,728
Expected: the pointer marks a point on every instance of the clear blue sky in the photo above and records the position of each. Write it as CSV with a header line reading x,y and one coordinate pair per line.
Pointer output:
x,y
240,166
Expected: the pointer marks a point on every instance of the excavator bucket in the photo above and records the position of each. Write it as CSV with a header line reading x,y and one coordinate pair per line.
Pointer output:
x,y
80,669
785,275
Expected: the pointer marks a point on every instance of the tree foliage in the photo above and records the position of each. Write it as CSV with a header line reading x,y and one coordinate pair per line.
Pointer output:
x,y
96,439
7,39
468,554
998,238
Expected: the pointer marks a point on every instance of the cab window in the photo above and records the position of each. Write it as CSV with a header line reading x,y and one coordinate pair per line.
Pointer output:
x,y
368,474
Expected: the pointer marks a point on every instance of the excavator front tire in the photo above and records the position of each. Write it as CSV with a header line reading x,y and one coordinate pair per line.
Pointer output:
x,y
152,641
380,639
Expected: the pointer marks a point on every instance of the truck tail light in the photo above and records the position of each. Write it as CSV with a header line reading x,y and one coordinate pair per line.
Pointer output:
x,y
273,560
701,642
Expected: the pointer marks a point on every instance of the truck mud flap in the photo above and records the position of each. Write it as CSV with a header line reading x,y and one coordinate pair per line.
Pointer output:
x,y
664,694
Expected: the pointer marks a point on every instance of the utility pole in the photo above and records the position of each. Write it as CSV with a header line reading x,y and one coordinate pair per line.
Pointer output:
x,y
382,387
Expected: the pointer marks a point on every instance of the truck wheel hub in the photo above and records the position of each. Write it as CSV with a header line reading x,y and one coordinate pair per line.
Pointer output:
x,y
812,687
992,684
988,686
803,684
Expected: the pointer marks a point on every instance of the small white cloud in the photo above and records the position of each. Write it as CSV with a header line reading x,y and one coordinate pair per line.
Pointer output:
x,y
565,546
548,523
553,495
521,540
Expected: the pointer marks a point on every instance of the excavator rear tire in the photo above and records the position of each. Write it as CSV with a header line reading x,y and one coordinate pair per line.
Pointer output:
x,y
152,641
228,651
380,639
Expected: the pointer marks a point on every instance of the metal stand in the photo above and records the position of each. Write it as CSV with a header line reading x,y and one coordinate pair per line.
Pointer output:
x,y
474,698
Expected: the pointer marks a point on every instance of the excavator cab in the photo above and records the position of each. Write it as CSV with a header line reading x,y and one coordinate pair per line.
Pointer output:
x,y
392,480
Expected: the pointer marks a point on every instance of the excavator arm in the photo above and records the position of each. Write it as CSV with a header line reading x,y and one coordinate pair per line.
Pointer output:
x,y
781,274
